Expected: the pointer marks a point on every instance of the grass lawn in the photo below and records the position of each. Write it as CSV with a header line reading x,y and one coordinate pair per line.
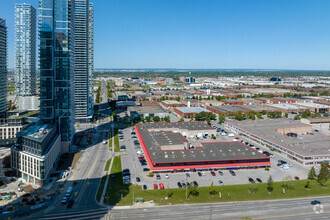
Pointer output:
x,y
237,193
116,140
107,165
115,187
100,189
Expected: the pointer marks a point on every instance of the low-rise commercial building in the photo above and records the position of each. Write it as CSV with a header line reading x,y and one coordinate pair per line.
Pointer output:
x,y
179,146
315,107
144,111
171,104
289,137
287,108
189,111
225,109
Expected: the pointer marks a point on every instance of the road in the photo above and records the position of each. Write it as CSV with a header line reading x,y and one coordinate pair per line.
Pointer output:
x,y
274,209
87,174
104,94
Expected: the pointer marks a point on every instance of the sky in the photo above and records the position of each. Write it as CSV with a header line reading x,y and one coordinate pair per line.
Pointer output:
x,y
204,34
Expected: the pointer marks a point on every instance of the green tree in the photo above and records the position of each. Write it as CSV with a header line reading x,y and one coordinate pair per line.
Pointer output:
x,y
148,119
211,189
177,98
311,174
253,188
306,114
167,119
297,117
221,117
251,115
308,185
286,115
156,119
192,190
324,173
181,120
270,184
325,115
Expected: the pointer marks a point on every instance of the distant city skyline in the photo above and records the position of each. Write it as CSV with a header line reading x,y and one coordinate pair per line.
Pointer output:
x,y
213,34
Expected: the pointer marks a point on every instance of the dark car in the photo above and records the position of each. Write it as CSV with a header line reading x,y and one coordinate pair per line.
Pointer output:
x,y
281,161
195,183
179,185
187,174
220,173
251,180
70,203
183,185
315,202
199,174
138,179
144,187
232,173
212,173
296,178
146,169
259,180
158,176
187,184
75,183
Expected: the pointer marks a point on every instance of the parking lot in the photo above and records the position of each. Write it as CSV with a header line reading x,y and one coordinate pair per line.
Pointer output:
x,y
130,161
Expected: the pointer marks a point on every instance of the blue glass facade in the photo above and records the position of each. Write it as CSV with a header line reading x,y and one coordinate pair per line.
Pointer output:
x,y
57,60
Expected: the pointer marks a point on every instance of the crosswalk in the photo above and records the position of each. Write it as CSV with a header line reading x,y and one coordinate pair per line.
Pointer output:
x,y
77,214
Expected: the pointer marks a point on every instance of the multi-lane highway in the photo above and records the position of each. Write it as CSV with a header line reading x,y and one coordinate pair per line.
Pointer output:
x,y
274,209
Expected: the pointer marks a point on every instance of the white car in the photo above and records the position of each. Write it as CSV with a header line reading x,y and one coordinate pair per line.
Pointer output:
x,y
104,142
223,134
166,176
139,152
231,135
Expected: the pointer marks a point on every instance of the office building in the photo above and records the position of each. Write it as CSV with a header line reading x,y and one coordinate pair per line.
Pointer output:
x,y
40,144
83,72
25,48
3,67
57,63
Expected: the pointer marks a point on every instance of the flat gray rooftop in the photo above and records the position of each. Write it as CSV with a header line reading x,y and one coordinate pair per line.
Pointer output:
x,y
194,110
146,109
317,144
210,151
226,108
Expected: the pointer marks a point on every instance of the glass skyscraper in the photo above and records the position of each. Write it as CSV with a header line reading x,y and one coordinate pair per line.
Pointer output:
x,y
3,67
25,46
84,102
57,63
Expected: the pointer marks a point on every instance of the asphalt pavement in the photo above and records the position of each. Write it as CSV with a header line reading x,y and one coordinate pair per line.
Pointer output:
x,y
273,209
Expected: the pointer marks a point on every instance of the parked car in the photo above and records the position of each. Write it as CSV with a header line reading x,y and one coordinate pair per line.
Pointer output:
x,y
146,169
232,173
187,174
166,176
155,186
212,173
220,173
220,182
259,180
315,202
179,185
138,179
161,186
199,174
144,187
158,176
183,185
296,178
251,180
195,183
